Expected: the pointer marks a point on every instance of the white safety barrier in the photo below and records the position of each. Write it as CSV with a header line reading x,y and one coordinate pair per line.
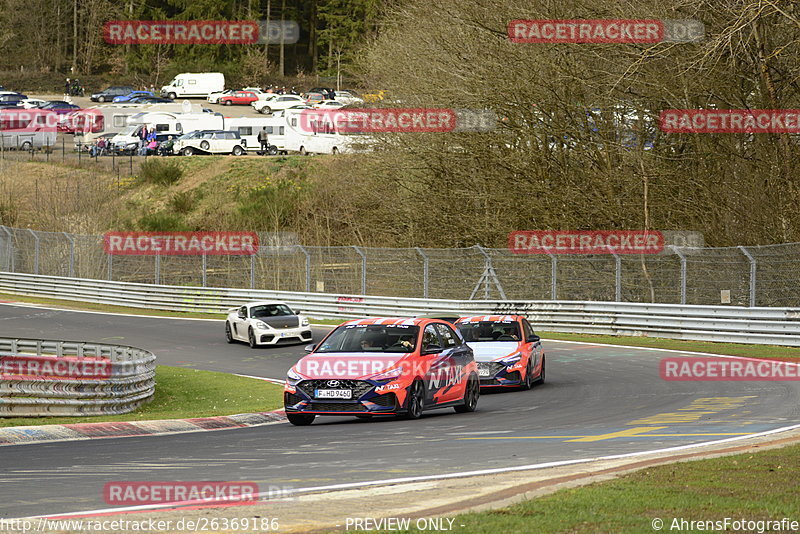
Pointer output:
x,y
127,379
730,324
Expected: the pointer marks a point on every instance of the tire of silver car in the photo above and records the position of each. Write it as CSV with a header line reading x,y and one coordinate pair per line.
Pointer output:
x,y
251,338
188,151
228,333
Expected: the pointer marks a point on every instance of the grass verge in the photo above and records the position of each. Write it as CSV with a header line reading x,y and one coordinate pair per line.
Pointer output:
x,y
753,486
183,393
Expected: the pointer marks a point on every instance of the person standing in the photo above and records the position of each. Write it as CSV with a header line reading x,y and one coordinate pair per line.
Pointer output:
x,y
263,140
67,86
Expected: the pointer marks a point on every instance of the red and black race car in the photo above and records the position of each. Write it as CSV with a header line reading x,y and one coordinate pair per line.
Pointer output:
x,y
508,352
384,366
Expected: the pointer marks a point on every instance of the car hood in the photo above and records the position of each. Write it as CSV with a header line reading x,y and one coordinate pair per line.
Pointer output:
x,y
348,364
487,351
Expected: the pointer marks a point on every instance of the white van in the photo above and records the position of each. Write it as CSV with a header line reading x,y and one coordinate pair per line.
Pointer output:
x,y
199,84
319,137
248,128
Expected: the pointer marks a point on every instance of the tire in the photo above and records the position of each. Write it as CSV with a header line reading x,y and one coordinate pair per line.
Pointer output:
x,y
303,151
172,96
251,338
266,110
26,146
415,404
334,151
471,396
228,333
204,145
101,99
188,151
528,383
540,380
272,150
237,151
228,103
300,419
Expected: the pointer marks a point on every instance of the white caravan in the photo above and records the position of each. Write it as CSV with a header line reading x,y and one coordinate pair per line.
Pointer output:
x,y
200,84
248,128
165,123
308,135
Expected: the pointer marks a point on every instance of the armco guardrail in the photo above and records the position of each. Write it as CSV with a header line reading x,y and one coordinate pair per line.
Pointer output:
x,y
732,324
80,378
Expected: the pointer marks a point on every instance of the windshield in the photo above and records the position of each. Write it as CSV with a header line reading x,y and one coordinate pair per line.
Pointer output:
x,y
490,331
371,338
128,131
270,310
190,135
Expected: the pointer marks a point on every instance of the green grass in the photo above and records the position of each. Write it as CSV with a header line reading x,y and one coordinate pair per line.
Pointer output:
x,y
182,393
757,486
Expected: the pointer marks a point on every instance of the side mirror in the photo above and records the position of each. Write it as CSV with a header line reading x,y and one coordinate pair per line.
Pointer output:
x,y
432,349
309,348
241,314
533,338
298,312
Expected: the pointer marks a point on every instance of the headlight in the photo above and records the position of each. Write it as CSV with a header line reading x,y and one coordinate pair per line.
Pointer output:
x,y
514,358
262,325
292,377
388,375
132,145
304,322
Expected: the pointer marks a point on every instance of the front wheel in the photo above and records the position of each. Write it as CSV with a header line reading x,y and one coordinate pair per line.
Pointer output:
x,y
416,400
272,150
101,99
228,333
251,338
528,383
26,146
238,151
204,145
300,419
172,96
188,151
471,396
228,102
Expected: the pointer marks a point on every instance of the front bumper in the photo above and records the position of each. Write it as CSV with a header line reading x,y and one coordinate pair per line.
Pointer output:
x,y
365,400
283,335
499,376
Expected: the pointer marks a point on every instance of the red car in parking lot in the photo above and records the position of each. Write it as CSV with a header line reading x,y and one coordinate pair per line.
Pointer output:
x,y
384,366
239,97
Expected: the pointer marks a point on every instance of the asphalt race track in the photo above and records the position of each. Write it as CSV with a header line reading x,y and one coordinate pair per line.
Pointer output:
x,y
598,400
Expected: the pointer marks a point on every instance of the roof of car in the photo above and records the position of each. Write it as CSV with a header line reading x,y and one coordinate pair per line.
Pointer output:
x,y
265,303
488,318
389,321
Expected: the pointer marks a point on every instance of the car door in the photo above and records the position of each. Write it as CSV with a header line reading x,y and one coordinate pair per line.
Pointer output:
x,y
240,323
533,348
458,355
441,377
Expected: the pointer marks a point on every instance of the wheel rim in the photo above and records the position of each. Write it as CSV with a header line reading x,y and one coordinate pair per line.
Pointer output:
x,y
541,375
415,402
252,338
472,394
529,375
228,333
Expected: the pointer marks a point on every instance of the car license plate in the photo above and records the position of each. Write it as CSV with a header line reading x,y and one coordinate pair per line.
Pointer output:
x,y
484,372
333,393
285,334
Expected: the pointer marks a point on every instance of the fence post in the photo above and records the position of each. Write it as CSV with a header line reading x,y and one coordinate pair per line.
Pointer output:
x,y
110,267
363,269
71,254
253,271
36,252
308,267
425,272
752,275
617,277
205,267
683,272
553,276
158,268
9,248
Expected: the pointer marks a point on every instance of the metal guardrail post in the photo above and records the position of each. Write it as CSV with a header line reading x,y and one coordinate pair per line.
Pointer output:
x,y
71,254
205,267
252,271
752,275
308,267
425,272
363,269
553,276
36,252
683,272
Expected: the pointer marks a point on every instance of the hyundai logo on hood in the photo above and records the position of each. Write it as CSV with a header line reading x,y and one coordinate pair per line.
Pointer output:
x,y
333,383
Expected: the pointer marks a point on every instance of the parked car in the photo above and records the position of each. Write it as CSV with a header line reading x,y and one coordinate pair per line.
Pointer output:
x,y
328,104
12,98
239,97
347,97
108,94
327,92
32,103
277,102
211,142
213,98
133,94
266,323
315,98
59,106
150,100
